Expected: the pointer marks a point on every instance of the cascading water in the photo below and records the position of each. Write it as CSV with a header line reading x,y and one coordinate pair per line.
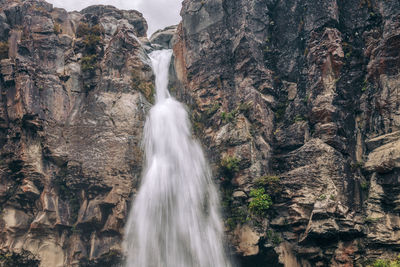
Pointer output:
x,y
174,220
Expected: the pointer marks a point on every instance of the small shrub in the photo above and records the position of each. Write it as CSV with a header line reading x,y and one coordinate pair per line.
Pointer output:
x,y
88,63
305,100
365,86
245,108
230,165
274,237
357,165
299,118
3,50
272,183
91,42
82,29
91,36
386,263
260,202
228,116
280,111
212,110
365,186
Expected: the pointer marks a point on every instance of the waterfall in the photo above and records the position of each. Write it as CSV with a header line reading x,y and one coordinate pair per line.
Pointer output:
x,y
174,220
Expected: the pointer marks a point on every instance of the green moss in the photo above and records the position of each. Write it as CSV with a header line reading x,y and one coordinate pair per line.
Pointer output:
x,y
260,202
3,50
386,263
230,165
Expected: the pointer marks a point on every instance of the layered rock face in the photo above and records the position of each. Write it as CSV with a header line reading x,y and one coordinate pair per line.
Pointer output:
x,y
74,91
304,94
297,98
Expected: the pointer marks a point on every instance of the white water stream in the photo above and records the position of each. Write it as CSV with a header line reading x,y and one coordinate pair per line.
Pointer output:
x,y
174,220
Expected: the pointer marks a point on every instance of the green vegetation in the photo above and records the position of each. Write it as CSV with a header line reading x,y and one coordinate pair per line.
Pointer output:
x,y
212,110
243,108
357,165
91,36
228,116
230,165
260,202
88,63
22,259
299,118
91,39
386,263
365,86
274,237
365,186
306,98
272,183
322,197
371,220
234,211
280,111
3,50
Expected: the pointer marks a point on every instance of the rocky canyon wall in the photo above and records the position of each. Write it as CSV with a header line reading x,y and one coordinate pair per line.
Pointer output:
x,y
299,99
296,103
74,93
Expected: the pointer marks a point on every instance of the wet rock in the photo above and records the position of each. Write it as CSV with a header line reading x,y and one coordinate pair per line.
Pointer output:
x,y
164,38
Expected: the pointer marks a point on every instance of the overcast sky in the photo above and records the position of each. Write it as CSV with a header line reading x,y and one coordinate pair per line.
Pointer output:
x,y
158,13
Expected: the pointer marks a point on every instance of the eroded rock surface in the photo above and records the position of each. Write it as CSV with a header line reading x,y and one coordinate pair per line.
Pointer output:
x,y
75,88
307,91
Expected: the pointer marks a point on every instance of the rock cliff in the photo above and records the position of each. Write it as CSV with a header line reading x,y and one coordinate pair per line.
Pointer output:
x,y
299,99
296,104
75,88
